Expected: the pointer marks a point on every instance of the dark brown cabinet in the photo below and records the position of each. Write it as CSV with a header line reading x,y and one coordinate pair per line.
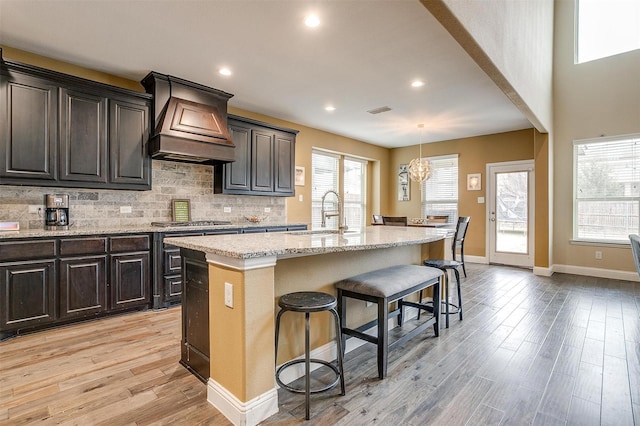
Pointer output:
x,y
49,282
130,271
28,290
28,284
264,160
82,284
195,314
65,131
28,127
83,136
129,133
167,286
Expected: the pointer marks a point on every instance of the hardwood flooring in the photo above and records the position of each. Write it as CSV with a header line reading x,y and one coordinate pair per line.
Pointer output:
x,y
563,350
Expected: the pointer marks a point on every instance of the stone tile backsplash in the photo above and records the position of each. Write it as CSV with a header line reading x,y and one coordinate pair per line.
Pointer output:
x,y
171,180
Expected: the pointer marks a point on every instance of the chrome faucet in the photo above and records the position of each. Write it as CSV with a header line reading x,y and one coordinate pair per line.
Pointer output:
x,y
342,223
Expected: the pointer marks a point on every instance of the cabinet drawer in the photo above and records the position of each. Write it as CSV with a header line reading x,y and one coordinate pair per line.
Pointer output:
x,y
82,246
173,287
26,250
130,243
172,260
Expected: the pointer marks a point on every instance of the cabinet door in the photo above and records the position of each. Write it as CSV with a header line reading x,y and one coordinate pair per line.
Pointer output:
x,y
285,157
237,175
83,137
129,160
28,127
262,173
28,294
130,285
195,317
83,286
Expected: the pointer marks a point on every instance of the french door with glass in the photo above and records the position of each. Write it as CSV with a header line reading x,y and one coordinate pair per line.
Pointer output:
x,y
510,213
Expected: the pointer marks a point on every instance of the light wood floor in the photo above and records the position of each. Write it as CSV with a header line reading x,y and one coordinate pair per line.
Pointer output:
x,y
531,350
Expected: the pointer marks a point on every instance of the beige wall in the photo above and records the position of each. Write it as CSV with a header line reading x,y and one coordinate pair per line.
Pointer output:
x,y
66,68
309,138
598,98
474,154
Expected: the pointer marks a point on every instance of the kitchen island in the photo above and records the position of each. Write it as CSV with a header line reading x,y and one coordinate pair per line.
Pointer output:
x,y
240,278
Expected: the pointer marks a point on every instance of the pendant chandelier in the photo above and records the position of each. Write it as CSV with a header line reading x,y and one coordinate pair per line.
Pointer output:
x,y
420,168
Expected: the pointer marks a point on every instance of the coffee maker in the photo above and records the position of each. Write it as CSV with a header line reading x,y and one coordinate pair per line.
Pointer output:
x,y
56,211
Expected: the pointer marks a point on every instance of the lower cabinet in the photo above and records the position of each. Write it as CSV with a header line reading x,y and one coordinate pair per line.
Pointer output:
x,y
57,281
195,314
83,286
29,294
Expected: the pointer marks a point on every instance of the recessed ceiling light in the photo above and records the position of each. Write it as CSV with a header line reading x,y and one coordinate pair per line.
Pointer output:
x,y
225,71
330,108
417,83
312,21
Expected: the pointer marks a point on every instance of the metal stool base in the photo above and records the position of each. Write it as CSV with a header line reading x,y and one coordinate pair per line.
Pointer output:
x,y
302,361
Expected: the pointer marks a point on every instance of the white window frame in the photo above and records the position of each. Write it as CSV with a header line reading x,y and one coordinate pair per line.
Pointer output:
x,y
633,158
340,182
453,217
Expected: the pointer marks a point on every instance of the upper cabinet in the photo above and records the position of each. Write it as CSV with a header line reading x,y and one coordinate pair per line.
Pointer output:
x,y
264,160
29,127
65,131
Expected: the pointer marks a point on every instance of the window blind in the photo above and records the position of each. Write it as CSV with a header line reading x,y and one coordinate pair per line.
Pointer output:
x,y
354,192
324,177
606,188
440,191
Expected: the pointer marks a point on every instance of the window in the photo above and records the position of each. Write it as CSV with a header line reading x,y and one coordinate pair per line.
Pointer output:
x,y
606,188
440,191
606,28
345,175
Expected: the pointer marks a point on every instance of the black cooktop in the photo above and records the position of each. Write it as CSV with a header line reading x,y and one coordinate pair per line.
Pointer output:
x,y
191,223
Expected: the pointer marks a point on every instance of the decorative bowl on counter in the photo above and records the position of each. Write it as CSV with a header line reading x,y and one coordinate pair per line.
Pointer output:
x,y
255,219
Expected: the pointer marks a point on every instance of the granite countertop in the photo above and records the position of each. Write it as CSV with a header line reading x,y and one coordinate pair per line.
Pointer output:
x,y
136,229
304,243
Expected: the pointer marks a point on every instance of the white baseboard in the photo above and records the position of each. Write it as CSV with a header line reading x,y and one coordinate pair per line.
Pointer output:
x,y
476,259
242,413
596,272
542,271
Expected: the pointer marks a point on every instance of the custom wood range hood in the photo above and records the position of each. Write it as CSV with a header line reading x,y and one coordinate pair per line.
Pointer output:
x,y
190,121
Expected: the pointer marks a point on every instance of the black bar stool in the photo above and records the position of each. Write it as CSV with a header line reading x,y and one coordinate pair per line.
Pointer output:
x,y
307,302
444,265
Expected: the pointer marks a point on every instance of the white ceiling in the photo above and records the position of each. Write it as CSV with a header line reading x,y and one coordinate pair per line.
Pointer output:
x,y
364,55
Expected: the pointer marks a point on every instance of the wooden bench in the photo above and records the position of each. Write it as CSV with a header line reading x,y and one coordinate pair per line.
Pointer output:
x,y
382,287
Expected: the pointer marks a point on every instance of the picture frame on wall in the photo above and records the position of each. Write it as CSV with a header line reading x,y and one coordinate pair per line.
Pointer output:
x,y
474,182
181,210
404,190
299,176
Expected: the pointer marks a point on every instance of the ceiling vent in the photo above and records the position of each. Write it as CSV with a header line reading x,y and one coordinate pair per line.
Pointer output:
x,y
379,110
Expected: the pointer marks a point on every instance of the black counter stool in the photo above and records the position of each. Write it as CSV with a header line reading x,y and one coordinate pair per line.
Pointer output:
x,y
444,265
307,302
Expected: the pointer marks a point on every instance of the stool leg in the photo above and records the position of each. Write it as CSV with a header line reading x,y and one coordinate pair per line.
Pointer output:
x,y
455,270
339,343
342,313
307,366
437,288
419,301
278,332
383,337
446,297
